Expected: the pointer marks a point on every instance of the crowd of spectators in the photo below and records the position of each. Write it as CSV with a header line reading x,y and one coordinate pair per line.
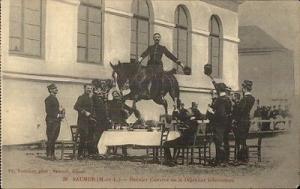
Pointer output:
x,y
275,112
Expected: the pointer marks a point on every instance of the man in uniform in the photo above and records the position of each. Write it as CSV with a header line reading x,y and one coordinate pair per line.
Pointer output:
x,y
183,113
101,112
189,118
243,120
210,112
118,114
195,113
86,123
228,126
53,119
236,97
222,110
155,65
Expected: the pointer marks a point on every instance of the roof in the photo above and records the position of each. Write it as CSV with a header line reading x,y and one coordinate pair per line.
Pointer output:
x,y
228,4
254,38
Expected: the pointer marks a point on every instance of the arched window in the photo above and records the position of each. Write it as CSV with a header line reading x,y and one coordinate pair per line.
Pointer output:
x,y
215,47
89,39
182,35
140,28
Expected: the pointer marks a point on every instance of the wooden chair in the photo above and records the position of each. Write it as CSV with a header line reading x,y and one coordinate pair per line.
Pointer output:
x,y
233,147
200,149
69,148
180,152
163,138
156,153
233,151
255,149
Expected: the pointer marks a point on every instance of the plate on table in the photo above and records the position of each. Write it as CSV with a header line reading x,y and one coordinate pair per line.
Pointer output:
x,y
116,130
140,130
156,129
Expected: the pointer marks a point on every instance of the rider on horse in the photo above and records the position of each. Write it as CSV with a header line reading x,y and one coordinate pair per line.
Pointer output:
x,y
155,65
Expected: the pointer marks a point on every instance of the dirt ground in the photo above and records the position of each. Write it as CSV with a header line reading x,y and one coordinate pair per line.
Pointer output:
x,y
29,168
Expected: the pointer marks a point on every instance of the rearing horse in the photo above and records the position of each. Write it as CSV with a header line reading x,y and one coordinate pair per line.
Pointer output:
x,y
132,73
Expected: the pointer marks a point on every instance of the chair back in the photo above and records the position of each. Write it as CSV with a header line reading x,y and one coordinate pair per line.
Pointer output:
x,y
75,133
164,133
201,131
259,140
165,118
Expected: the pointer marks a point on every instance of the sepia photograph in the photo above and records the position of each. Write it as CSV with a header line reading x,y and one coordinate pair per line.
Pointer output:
x,y
150,93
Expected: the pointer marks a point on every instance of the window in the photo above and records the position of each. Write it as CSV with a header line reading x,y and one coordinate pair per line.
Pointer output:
x,y
215,47
25,29
182,36
89,38
140,28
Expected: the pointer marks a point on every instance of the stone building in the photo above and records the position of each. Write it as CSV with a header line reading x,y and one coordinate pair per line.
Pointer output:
x,y
270,49
71,42
267,63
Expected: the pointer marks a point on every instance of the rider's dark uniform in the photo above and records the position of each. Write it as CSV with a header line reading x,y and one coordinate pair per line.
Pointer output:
x,y
156,52
155,65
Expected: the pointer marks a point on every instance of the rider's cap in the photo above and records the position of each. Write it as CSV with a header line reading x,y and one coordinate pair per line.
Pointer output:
x,y
221,87
247,84
156,34
52,86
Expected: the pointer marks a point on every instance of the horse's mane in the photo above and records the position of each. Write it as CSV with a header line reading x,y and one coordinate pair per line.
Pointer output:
x,y
129,68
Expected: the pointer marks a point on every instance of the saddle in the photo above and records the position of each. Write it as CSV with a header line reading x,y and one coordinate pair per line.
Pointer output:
x,y
149,79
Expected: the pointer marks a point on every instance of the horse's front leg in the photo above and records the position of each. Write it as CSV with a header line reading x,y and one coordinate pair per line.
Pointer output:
x,y
137,113
127,96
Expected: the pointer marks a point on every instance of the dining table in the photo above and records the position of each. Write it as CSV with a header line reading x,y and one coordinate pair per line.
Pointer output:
x,y
136,137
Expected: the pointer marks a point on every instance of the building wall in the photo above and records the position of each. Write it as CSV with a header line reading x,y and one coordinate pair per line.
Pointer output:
x,y
281,20
271,73
25,79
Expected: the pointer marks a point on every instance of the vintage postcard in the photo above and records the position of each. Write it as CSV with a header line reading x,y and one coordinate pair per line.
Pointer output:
x,y
150,93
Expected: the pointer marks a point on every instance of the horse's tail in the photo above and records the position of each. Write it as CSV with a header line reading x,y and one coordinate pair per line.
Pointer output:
x,y
174,90
177,93
178,103
173,71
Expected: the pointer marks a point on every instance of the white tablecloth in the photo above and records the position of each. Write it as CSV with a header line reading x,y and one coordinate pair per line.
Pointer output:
x,y
142,138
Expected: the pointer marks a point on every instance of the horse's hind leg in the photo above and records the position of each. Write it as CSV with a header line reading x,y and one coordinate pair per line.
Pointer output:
x,y
160,100
175,98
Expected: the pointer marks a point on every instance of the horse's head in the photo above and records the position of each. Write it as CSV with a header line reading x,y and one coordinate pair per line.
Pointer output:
x,y
122,73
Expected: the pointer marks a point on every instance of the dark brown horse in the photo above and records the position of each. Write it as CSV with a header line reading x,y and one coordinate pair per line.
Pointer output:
x,y
134,73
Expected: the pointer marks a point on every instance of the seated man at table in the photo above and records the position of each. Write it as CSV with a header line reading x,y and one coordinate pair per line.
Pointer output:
x,y
117,113
187,136
194,114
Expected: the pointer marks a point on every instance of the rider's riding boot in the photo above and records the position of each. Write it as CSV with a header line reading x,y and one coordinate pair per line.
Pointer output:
x,y
146,89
